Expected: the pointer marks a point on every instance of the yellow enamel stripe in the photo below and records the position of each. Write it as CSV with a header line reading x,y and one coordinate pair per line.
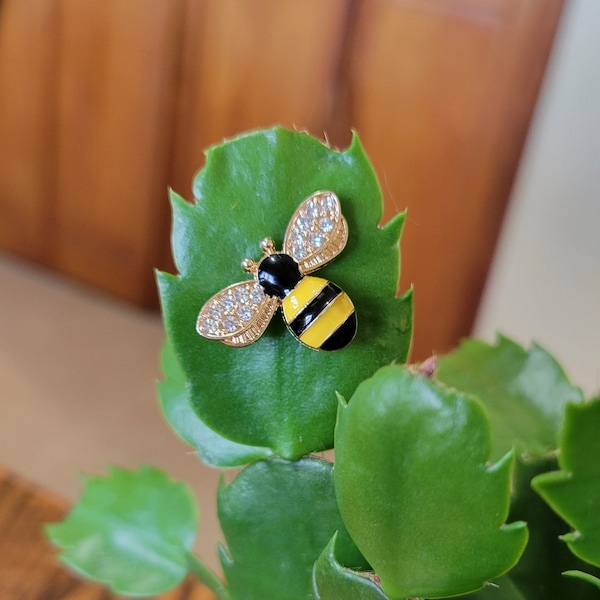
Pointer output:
x,y
301,295
328,321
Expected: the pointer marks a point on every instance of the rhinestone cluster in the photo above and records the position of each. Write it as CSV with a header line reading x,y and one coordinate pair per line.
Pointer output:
x,y
230,310
312,225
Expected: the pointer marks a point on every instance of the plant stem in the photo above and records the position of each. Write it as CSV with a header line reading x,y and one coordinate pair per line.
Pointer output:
x,y
202,572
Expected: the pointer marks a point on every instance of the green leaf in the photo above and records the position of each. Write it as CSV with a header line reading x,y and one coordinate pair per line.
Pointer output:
x,y
277,393
331,581
174,398
415,491
132,530
538,574
524,392
574,492
584,577
277,517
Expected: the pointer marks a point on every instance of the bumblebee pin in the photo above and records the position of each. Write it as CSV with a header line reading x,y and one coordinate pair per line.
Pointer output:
x,y
317,312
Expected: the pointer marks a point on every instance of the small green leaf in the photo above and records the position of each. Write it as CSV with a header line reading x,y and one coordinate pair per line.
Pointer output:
x,y
415,491
276,393
524,392
584,577
277,517
213,449
132,530
331,581
574,492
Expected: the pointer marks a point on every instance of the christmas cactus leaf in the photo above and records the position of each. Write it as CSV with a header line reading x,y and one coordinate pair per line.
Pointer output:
x,y
277,517
584,577
539,573
415,490
331,581
574,491
213,449
277,393
132,530
524,392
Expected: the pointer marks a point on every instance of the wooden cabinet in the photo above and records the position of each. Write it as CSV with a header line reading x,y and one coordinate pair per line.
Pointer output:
x,y
105,104
27,125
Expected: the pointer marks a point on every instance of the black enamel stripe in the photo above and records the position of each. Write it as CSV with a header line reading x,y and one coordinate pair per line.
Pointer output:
x,y
314,308
342,336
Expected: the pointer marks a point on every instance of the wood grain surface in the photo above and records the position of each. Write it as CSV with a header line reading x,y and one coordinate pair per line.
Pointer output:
x,y
29,569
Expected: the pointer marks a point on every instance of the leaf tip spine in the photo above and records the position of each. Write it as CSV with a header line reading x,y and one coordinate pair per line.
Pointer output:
x,y
342,403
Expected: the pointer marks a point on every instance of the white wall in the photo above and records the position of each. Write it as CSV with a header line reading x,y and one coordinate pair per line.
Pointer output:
x,y
545,281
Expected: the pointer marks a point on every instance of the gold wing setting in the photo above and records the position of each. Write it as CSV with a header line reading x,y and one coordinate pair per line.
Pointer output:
x,y
237,315
317,231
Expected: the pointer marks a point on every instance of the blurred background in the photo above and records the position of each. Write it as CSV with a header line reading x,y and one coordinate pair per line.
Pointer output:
x,y
482,118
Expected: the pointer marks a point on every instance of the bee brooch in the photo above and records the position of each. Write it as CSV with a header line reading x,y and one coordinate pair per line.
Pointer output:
x,y
317,312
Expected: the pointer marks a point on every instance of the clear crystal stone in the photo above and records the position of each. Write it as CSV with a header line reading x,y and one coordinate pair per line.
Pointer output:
x,y
303,222
313,209
316,240
214,312
244,313
328,201
241,295
228,302
299,251
208,326
295,238
256,295
326,224
230,323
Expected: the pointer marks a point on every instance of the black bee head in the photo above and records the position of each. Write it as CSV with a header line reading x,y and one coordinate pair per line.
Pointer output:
x,y
278,274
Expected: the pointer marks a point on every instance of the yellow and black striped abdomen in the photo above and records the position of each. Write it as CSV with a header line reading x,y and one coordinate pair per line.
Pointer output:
x,y
320,314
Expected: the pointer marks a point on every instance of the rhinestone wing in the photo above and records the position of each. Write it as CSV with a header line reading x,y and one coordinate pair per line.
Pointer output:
x,y
317,231
237,315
